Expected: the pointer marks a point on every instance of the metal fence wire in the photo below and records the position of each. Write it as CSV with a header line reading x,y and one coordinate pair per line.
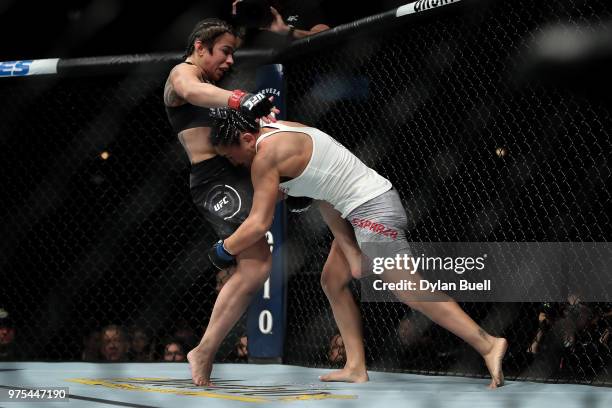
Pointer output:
x,y
482,144
455,111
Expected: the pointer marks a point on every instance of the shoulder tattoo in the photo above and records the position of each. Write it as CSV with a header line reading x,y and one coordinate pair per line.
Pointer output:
x,y
170,97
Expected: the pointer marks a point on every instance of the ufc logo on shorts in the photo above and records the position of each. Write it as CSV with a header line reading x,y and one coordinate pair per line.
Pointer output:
x,y
375,227
221,203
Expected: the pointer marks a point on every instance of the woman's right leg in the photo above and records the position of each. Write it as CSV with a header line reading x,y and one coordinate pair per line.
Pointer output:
x,y
335,280
251,273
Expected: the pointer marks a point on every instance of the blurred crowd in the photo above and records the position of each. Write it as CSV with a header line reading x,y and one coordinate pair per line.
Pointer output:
x,y
138,343
562,336
571,335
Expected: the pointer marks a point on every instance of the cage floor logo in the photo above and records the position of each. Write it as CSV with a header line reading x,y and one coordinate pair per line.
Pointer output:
x,y
235,390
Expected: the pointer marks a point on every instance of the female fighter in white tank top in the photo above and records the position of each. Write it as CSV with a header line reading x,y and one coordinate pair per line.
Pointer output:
x,y
333,173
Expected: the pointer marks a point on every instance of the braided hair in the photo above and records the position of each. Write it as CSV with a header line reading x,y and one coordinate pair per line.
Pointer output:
x,y
207,31
227,125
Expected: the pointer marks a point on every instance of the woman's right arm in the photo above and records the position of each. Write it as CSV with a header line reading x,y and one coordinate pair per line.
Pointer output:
x,y
185,84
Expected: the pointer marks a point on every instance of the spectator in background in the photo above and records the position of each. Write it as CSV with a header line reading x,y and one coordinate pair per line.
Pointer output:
x,y
569,337
283,20
114,343
411,330
418,341
174,351
603,323
337,352
8,348
242,348
297,19
141,346
564,320
184,333
591,346
91,347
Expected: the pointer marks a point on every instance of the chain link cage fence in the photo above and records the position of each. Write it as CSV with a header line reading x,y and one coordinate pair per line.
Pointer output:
x,y
481,146
98,226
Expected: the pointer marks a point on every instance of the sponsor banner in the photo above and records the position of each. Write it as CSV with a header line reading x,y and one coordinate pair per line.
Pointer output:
x,y
422,5
28,67
488,272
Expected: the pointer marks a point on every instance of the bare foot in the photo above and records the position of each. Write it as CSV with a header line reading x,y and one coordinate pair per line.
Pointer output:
x,y
493,360
201,367
346,375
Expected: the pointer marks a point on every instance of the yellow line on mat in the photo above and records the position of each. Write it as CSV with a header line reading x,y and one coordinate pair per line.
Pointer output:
x,y
130,387
318,397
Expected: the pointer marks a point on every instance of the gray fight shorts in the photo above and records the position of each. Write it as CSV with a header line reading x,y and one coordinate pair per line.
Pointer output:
x,y
380,225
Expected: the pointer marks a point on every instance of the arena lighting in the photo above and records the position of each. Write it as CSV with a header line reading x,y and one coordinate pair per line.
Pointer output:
x,y
501,151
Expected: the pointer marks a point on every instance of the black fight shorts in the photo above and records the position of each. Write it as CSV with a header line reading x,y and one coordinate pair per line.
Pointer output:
x,y
222,192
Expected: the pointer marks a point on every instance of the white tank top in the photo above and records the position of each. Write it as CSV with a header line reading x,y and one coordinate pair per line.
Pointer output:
x,y
333,174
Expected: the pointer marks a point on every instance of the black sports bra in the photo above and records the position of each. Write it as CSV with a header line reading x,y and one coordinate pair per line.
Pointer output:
x,y
188,116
